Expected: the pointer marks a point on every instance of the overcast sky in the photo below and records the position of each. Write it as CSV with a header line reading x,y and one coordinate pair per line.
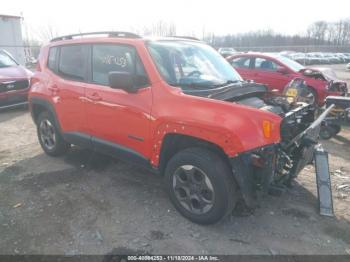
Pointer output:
x,y
189,16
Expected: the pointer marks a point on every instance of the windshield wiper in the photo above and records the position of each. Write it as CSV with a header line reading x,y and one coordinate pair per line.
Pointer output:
x,y
228,82
193,85
206,86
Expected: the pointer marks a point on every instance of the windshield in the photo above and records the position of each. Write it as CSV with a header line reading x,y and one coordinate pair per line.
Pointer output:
x,y
295,66
6,60
191,65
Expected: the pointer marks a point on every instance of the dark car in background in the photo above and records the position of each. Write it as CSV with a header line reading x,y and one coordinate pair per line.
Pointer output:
x,y
14,82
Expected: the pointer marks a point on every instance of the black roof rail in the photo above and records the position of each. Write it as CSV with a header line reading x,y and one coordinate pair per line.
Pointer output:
x,y
186,37
109,33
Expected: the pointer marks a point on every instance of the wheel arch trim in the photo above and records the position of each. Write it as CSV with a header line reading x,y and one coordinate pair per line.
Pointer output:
x,y
226,142
33,101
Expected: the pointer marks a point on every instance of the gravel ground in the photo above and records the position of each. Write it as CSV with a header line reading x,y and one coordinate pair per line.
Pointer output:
x,y
86,203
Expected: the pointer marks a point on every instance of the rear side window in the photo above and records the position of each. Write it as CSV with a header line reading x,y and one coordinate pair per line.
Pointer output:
x,y
72,64
241,62
51,63
108,58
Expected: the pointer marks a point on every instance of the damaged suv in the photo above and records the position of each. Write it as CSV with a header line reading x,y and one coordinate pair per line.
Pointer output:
x,y
276,71
176,107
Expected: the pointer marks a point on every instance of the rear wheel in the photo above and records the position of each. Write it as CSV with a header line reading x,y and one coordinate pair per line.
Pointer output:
x,y
200,185
49,136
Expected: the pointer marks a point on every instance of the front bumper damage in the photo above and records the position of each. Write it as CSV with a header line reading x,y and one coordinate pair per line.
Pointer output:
x,y
270,169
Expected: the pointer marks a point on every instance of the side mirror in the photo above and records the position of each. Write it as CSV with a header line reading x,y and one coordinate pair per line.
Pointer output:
x,y
122,80
282,70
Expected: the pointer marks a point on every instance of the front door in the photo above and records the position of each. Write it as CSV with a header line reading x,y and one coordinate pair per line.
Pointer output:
x,y
118,119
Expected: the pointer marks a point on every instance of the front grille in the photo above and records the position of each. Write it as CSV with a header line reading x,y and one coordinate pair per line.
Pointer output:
x,y
13,85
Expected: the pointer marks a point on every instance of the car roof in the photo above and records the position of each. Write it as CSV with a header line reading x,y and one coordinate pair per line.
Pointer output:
x,y
250,54
107,36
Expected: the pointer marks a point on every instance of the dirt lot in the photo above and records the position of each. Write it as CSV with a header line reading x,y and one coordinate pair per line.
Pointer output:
x,y
86,203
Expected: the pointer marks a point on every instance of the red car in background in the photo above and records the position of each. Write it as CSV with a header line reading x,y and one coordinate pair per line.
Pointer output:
x,y
14,82
276,71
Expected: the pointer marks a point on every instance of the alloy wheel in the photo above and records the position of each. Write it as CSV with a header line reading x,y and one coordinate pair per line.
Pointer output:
x,y
193,189
47,134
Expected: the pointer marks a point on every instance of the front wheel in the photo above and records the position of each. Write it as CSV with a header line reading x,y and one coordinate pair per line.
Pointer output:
x,y
311,96
200,185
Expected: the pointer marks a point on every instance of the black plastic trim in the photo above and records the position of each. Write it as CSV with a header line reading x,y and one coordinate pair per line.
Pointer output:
x,y
120,34
120,152
107,148
78,139
46,104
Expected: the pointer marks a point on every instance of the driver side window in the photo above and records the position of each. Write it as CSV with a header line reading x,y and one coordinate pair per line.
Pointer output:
x,y
108,58
241,62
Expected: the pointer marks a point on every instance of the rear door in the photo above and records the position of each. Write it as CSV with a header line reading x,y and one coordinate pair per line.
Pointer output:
x,y
118,120
243,65
67,80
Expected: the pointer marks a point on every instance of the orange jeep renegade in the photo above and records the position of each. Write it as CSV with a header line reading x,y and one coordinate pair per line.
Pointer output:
x,y
174,106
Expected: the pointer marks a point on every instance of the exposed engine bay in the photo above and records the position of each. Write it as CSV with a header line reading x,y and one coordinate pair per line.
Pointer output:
x,y
297,116
288,158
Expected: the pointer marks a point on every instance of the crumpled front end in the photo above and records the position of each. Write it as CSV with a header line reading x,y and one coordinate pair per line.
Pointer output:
x,y
334,85
271,168
338,88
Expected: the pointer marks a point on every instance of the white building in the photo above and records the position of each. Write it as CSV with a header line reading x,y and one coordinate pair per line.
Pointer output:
x,y
11,36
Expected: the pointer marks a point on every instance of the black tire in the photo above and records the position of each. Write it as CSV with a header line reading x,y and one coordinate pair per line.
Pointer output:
x,y
206,164
326,132
336,129
55,146
313,96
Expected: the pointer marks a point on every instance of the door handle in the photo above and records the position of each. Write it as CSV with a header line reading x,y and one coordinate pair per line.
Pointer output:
x,y
95,97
